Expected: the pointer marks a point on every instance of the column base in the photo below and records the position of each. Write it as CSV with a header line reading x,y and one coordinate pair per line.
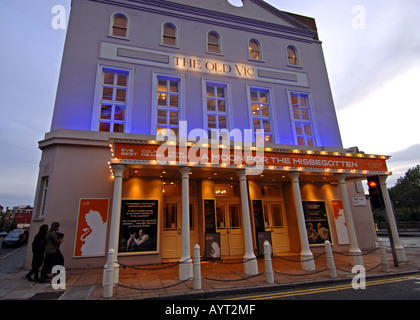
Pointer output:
x,y
356,259
250,267
400,252
307,262
186,270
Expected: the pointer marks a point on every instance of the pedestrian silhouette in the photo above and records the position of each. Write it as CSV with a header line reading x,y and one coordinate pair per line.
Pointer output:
x,y
38,251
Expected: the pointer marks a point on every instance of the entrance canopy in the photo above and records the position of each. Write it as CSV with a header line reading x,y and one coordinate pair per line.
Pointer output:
x,y
315,163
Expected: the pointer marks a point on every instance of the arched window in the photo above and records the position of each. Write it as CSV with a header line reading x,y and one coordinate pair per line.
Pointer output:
x,y
254,49
292,56
119,25
213,42
169,34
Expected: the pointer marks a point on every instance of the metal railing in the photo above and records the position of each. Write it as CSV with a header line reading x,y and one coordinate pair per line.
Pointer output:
x,y
269,273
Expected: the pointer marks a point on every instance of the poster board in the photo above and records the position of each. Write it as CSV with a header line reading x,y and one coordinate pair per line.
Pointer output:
x,y
340,222
316,221
138,226
212,249
91,228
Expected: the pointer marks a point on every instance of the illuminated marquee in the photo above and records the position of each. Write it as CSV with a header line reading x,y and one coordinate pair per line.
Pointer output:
x,y
269,159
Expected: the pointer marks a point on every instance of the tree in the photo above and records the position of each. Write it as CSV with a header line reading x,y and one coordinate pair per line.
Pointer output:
x,y
406,195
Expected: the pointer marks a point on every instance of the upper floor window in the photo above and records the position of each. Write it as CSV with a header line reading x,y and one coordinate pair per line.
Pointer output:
x,y
217,107
213,42
42,197
168,105
261,114
254,49
119,25
169,34
113,101
292,56
304,130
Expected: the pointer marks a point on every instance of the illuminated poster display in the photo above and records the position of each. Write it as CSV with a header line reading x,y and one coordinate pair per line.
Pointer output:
x,y
139,226
316,220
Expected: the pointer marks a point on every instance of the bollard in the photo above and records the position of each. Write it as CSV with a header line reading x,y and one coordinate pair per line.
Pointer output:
x,y
384,259
330,260
197,268
269,274
108,279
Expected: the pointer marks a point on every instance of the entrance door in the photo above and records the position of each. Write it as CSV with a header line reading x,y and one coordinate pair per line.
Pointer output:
x,y
172,229
275,221
229,225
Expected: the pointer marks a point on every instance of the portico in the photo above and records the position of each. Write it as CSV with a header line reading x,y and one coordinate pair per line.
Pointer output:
x,y
197,183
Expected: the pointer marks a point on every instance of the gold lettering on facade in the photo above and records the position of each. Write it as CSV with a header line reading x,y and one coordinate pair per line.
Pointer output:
x,y
214,66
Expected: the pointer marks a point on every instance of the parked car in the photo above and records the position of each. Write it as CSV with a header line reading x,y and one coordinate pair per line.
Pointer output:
x,y
14,239
3,234
23,233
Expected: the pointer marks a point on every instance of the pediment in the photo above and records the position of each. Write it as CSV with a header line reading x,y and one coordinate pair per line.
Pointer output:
x,y
251,9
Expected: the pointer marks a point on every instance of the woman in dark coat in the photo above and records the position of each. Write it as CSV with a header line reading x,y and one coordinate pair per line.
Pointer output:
x,y
53,255
38,249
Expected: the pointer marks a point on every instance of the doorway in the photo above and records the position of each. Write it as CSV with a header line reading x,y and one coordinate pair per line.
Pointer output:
x,y
275,221
172,229
229,225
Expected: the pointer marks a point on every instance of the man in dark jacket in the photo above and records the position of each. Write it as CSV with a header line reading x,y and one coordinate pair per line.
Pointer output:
x,y
38,249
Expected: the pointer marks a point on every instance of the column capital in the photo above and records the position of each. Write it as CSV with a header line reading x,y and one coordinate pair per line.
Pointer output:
x,y
382,180
342,178
294,175
118,169
185,171
241,174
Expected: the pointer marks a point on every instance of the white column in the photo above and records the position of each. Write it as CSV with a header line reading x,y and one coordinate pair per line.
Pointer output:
x,y
306,255
356,254
399,250
186,268
250,266
114,231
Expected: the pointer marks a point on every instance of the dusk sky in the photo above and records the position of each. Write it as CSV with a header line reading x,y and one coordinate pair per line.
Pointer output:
x,y
372,52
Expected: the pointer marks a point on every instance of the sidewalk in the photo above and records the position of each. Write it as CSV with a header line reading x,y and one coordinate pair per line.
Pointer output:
x,y
218,279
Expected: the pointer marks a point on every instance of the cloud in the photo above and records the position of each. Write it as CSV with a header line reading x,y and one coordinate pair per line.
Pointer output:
x,y
401,161
372,56
385,120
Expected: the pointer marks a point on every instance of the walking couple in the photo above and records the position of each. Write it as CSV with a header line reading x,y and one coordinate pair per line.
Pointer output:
x,y
46,252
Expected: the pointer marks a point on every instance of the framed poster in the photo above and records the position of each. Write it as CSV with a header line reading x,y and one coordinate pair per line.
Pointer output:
x,y
340,222
91,228
139,226
316,220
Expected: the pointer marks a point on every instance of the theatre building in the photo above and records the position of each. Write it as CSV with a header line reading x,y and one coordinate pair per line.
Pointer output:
x,y
128,164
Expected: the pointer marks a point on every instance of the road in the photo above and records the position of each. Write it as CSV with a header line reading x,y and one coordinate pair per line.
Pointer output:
x,y
388,288
11,260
